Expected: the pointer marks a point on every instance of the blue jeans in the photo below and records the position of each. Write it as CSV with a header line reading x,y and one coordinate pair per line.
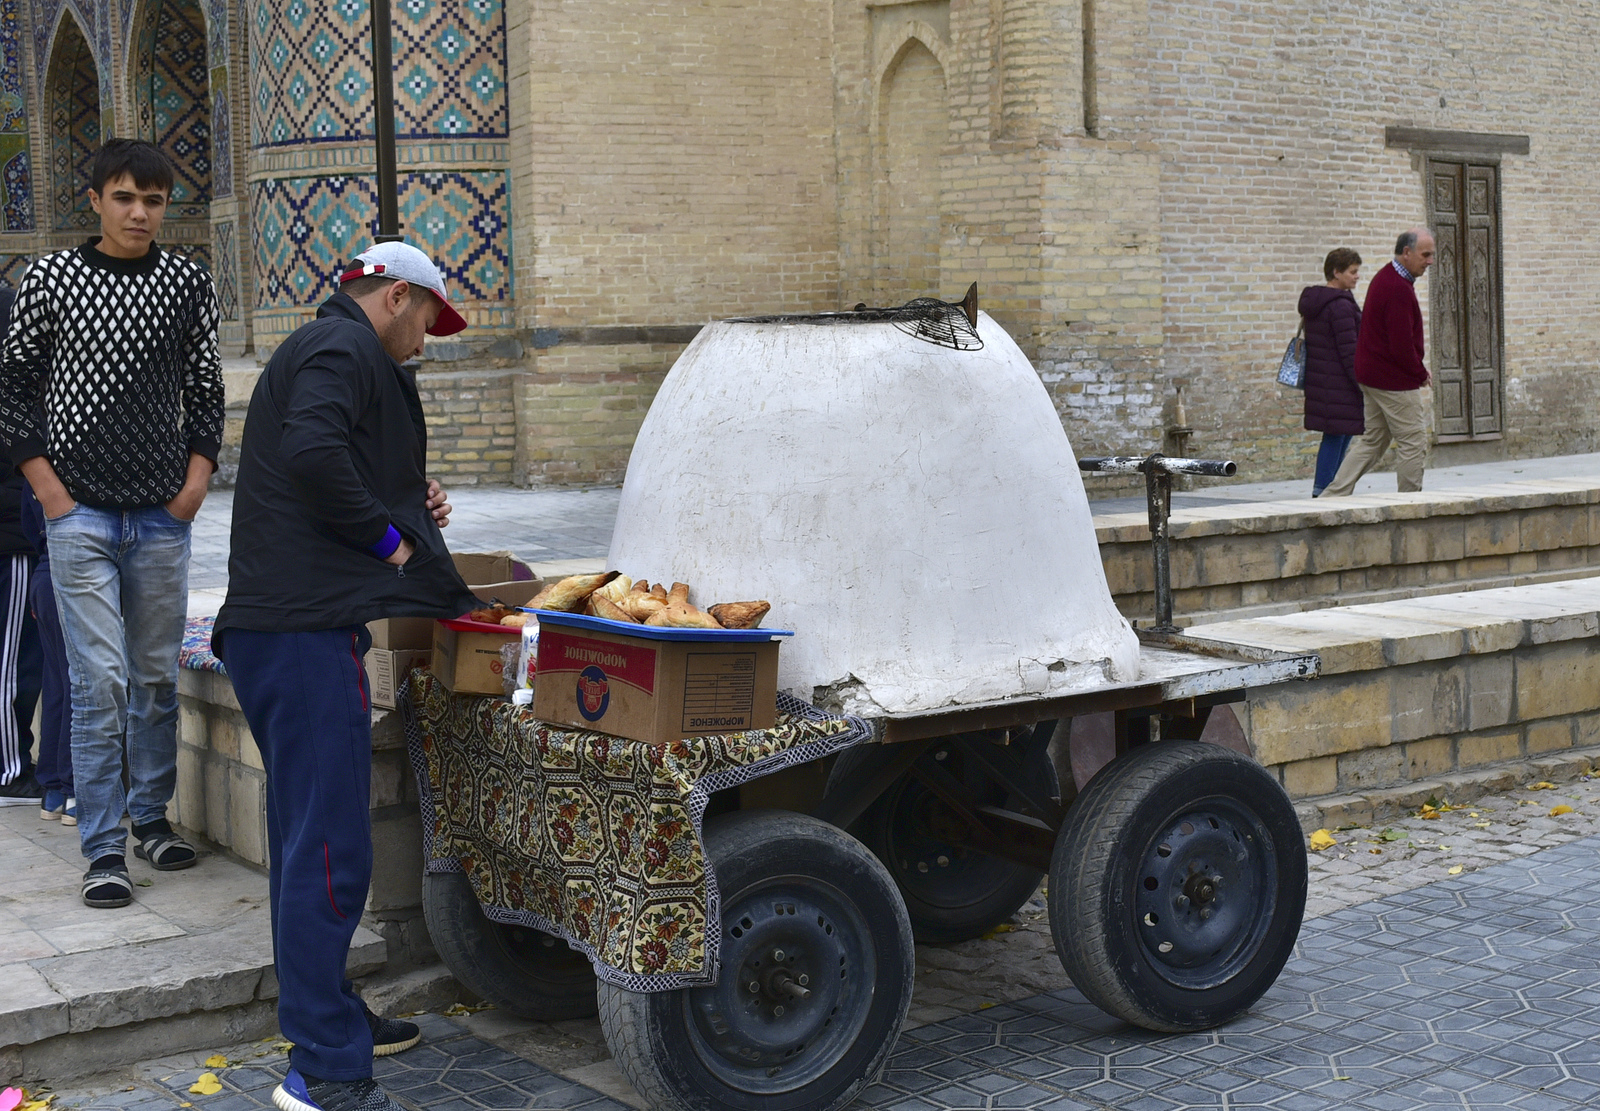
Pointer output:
x,y
1329,456
121,582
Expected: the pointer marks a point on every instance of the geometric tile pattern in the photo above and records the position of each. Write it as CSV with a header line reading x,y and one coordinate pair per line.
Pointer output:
x,y
74,128
12,268
175,100
1476,992
462,220
46,14
304,228
13,106
225,269
16,166
451,1071
311,70
1472,994
450,74
221,134
16,184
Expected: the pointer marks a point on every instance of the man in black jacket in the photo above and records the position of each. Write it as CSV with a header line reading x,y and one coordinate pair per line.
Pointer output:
x,y
334,525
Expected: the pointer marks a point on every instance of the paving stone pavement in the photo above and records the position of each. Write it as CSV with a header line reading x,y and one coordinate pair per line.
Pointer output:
x,y
1411,989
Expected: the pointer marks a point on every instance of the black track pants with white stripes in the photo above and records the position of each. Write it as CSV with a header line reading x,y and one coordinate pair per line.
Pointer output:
x,y
21,668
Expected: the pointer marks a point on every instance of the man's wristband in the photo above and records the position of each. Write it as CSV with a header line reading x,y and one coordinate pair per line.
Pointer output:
x,y
385,548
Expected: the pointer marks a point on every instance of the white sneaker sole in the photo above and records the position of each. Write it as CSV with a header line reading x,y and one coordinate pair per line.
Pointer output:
x,y
395,1047
286,1102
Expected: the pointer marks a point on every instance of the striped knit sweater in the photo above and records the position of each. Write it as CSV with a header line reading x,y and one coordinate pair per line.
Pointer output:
x,y
111,370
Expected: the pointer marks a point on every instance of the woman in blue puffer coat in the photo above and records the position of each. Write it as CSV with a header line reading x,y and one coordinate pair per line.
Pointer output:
x,y
1333,400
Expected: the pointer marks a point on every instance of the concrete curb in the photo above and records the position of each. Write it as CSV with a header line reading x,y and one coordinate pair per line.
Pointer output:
x,y
83,1013
1369,808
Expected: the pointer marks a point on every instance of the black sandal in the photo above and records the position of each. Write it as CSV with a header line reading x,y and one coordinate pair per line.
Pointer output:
x,y
165,850
107,886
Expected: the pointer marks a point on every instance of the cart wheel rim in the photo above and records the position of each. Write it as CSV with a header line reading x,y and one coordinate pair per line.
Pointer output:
x,y
540,954
1205,894
926,856
795,990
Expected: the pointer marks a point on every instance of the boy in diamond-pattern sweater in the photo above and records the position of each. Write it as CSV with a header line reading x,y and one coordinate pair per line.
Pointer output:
x,y
111,405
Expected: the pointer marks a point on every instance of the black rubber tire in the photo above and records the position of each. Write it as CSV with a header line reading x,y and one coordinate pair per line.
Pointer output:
x,y
1164,813
978,891
786,880
525,971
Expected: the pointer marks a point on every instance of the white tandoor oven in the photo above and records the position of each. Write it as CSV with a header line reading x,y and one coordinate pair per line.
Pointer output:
x,y
912,511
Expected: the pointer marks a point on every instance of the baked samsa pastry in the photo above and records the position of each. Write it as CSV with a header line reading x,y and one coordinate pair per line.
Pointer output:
x,y
640,605
570,593
616,588
605,607
740,615
683,616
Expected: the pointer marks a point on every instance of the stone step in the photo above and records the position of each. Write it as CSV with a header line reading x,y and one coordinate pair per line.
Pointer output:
x,y
106,1007
1258,558
90,1011
187,965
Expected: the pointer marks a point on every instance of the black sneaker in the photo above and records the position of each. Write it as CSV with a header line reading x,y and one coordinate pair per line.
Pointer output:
x,y
25,786
305,1093
391,1035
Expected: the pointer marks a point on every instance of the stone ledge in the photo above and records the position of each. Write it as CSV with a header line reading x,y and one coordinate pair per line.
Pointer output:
x,y
1248,518
1370,807
151,982
1413,630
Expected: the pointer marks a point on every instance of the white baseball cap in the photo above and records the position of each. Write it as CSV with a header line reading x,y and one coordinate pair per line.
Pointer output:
x,y
403,262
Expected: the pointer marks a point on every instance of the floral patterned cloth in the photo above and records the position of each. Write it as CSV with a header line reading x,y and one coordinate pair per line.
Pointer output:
x,y
195,653
587,836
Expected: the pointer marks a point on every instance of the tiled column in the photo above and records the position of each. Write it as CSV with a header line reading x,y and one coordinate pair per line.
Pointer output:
x,y
311,188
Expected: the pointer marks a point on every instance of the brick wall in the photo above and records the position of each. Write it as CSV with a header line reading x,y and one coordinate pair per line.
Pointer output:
x,y
1140,215
1270,120
683,170
472,424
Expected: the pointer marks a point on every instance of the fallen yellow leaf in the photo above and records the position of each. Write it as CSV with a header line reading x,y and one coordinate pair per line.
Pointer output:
x,y
1376,852
1002,928
984,1006
1322,839
1480,825
36,1104
1557,811
206,1085
1542,785
1456,870
216,1061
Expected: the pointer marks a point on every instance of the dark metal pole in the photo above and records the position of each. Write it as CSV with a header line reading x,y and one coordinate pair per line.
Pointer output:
x,y
1158,491
1158,470
383,123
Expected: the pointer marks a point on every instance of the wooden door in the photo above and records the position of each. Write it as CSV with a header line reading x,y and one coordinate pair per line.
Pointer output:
x,y
1464,294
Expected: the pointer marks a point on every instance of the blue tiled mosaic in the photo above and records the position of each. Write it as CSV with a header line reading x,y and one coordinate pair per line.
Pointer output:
x,y
312,78
74,99
305,227
177,101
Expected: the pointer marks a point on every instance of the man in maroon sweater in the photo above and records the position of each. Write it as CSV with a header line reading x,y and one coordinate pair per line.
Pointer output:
x,y
1390,371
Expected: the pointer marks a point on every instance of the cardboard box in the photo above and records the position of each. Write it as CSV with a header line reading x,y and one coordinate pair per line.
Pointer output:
x,y
386,667
466,654
501,572
655,685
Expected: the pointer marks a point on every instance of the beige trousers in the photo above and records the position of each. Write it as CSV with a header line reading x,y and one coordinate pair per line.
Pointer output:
x,y
1401,416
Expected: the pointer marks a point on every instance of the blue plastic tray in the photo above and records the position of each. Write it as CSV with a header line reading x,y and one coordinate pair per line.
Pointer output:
x,y
654,632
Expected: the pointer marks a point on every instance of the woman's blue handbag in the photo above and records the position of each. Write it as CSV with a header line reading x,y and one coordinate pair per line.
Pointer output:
x,y
1292,371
